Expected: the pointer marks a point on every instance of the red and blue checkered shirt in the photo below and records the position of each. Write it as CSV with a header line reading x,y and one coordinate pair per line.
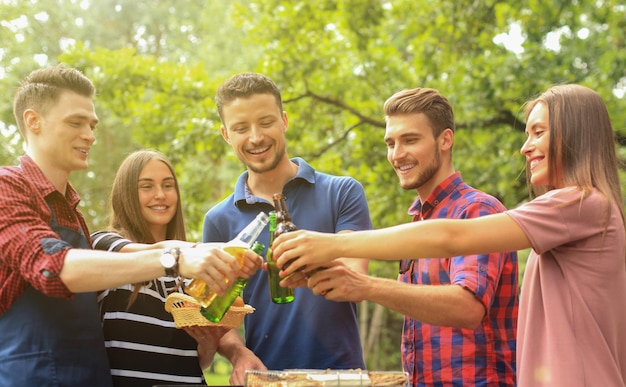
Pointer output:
x,y
30,252
446,356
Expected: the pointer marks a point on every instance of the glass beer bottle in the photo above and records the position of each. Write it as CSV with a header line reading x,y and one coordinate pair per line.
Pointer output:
x,y
220,304
199,289
278,294
283,218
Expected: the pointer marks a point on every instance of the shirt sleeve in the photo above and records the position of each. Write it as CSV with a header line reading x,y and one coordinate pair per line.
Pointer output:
x,y
29,248
480,273
353,212
108,241
560,216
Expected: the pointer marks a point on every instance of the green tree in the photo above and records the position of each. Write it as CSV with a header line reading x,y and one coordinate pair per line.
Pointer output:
x,y
157,64
338,60
151,62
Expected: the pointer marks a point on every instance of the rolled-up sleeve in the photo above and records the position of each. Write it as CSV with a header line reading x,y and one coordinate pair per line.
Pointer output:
x,y
31,253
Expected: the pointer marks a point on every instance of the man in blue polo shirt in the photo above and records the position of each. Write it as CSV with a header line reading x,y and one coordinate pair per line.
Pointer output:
x,y
311,332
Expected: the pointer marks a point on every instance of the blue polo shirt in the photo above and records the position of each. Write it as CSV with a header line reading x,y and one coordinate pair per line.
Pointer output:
x,y
311,332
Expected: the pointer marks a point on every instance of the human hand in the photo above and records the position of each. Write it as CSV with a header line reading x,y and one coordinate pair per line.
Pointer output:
x,y
303,250
252,262
209,263
246,360
298,279
208,339
338,282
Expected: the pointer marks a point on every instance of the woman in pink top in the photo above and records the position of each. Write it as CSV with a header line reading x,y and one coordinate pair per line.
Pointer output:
x,y
572,318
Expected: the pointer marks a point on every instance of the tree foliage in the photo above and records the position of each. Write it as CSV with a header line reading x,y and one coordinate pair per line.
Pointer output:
x,y
157,64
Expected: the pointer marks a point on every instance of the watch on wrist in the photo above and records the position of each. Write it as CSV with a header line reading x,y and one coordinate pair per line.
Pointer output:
x,y
169,261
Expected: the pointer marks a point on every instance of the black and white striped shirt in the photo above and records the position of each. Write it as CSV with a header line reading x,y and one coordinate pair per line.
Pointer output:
x,y
143,345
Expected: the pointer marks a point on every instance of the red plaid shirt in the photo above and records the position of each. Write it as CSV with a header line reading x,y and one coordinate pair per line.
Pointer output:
x,y
30,252
445,356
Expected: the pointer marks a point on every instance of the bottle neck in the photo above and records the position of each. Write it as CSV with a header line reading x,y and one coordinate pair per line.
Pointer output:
x,y
250,233
272,226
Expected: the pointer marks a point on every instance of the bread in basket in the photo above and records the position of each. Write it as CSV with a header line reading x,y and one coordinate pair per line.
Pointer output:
x,y
186,312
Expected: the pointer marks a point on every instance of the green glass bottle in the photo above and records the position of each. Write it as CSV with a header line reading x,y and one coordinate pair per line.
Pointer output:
x,y
199,289
218,308
279,222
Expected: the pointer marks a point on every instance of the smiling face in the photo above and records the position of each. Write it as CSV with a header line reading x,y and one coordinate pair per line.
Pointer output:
x,y
412,150
255,127
158,197
536,147
59,139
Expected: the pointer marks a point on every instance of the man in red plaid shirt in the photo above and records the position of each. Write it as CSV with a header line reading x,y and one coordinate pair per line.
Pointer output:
x,y
49,319
460,312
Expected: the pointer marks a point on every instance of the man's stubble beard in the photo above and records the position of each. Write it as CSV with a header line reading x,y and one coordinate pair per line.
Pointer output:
x,y
426,175
277,159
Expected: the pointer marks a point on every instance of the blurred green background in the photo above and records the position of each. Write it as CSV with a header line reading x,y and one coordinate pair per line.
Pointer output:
x,y
157,63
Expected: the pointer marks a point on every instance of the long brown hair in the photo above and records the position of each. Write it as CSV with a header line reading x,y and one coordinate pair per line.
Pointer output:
x,y
582,142
126,218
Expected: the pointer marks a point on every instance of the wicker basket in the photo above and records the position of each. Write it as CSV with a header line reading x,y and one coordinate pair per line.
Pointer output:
x,y
186,312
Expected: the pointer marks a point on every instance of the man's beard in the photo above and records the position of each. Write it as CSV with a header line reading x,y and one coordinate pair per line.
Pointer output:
x,y
424,176
277,158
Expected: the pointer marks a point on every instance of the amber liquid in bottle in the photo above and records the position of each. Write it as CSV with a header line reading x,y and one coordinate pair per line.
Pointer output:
x,y
199,289
220,304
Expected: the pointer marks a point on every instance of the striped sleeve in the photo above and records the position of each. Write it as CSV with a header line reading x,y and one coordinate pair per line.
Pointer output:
x,y
109,241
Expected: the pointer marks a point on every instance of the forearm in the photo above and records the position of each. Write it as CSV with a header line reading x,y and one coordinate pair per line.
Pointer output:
x,y
134,247
90,270
434,238
445,305
407,240
231,346
359,265
205,358
93,270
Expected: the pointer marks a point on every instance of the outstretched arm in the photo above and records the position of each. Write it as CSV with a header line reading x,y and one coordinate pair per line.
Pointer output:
x,y
446,305
92,270
426,239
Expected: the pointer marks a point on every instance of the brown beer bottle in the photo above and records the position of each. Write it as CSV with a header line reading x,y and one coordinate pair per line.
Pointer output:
x,y
284,224
283,219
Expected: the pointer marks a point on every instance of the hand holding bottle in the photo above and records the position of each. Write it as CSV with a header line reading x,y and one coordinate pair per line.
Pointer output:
x,y
305,250
220,304
251,264
338,282
210,264
237,247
